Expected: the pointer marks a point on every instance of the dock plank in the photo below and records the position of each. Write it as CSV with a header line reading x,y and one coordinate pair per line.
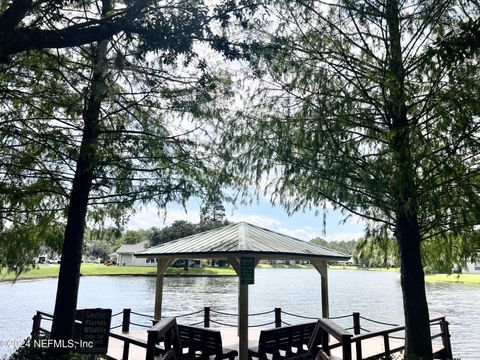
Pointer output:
x,y
115,347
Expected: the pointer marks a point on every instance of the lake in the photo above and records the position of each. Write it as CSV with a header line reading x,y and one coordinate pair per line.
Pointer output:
x,y
375,294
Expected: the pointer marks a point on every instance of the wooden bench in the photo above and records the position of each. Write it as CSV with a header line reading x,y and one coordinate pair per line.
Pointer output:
x,y
288,342
164,332
202,343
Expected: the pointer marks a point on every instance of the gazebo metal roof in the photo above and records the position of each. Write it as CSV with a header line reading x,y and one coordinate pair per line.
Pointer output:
x,y
242,239
243,245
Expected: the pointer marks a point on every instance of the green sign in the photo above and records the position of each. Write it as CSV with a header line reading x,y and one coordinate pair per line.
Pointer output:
x,y
247,270
95,330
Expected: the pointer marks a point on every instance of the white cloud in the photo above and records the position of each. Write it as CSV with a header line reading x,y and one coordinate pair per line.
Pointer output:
x,y
151,216
259,220
306,233
303,233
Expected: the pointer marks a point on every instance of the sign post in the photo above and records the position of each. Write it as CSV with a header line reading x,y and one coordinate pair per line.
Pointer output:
x,y
95,330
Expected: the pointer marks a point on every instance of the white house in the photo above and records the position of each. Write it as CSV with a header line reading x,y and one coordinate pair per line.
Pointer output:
x,y
472,268
125,255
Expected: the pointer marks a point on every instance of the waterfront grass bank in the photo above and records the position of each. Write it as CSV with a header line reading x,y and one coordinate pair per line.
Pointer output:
x,y
51,270
468,279
87,269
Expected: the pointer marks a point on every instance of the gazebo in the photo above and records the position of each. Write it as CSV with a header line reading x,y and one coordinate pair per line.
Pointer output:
x,y
243,245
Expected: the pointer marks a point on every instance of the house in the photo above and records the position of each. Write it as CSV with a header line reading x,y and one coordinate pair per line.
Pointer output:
x,y
125,255
472,268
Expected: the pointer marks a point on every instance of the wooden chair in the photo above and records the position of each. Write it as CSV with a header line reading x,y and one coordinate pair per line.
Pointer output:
x,y
165,331
202,343
288,342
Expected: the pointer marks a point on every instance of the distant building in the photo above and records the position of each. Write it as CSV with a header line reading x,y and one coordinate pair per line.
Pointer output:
x,y
125,255
472,268
349,262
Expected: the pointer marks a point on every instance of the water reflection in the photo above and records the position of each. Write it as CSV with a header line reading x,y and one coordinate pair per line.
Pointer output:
x,y
374,294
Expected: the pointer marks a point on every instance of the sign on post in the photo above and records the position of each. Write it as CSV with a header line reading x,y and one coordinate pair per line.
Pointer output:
x,y
95,330
247,270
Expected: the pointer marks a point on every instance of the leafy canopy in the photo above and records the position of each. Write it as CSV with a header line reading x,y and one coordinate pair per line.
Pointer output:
x,y
320,121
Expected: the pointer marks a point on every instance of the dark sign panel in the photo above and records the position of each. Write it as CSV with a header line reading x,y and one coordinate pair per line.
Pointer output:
x,y
247,270
95,330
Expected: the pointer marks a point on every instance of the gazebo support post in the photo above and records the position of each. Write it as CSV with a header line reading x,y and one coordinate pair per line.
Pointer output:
x,y
162,264
321,266
243,322
242,312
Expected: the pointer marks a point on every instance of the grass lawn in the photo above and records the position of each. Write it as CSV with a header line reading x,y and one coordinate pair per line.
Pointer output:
x,y
283,266
353,267
470,279
51,270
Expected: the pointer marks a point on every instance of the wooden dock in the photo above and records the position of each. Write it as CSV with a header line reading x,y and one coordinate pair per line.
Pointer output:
x,y
334,343
370,347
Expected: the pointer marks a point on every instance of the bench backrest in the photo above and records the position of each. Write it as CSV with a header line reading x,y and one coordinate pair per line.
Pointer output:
x,y
294,335
165,330
209,342
285,338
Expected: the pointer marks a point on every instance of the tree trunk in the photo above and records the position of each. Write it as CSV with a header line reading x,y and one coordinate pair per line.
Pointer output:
x,y
68,280
417,328
418,342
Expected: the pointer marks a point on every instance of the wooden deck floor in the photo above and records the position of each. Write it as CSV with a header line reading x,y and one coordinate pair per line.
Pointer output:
x,y
115,347
370,347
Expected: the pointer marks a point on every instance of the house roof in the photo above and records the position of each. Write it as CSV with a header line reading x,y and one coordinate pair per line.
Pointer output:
x,y
241,239
132,248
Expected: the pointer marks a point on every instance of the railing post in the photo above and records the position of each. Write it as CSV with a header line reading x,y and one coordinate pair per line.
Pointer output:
x,y
347,347
446,337
358,349
278,317
356,323
37,319
324,339
126,350
206,316
151,343
386,343
126,320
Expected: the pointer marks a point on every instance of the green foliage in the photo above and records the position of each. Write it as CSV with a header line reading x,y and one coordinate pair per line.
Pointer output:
x,y
178,229
147,150
160,97
107,235
321,126
353,111
346,247
171,28
447,254
135,236
377,252
20,243
212,213
97,250
212,216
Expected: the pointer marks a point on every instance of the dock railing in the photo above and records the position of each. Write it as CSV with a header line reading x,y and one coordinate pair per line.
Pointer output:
x,y
37,328
330,330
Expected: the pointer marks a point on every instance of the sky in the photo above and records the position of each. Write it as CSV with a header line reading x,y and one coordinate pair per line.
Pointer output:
x,y
304,226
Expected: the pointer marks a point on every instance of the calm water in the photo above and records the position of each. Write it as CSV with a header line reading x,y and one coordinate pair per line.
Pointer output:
x,y
374,294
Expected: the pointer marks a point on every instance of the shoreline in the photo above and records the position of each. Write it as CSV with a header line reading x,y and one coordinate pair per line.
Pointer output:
x,y
48,271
